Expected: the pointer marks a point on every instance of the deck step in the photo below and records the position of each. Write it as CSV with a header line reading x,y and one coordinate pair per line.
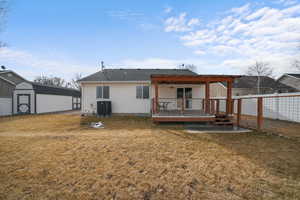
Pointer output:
x,y
224,123
223,120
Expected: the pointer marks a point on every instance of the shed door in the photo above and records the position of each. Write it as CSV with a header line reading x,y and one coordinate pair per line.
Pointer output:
x,y
23,101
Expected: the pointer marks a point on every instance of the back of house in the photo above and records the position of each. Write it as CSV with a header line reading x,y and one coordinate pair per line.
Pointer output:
x,y
129,90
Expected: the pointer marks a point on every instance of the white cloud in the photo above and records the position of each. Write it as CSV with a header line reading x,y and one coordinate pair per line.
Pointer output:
x,y
29,65
202,66
200,52
193,22
241,10
124,14
180,23
245,34
168,9
286,2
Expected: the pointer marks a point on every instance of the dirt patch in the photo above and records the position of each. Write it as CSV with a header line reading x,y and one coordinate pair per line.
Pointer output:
x,y
59,157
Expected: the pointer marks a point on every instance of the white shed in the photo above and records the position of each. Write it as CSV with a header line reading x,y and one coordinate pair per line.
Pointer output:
x,y
35,98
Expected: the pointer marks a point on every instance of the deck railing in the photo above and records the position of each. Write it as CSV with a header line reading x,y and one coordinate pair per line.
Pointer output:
x,y
180,104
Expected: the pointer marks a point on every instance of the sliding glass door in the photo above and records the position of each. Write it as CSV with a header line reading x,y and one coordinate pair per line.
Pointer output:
x,y
187,93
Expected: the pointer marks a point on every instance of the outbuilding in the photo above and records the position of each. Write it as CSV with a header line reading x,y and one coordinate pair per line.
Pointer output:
x,y
35,98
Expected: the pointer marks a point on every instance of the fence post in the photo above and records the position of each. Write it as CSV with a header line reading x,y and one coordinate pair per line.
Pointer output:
x,y
259,113
277,106
239,112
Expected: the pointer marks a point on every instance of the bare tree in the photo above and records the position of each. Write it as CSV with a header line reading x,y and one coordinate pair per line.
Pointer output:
x,y
3,12
52,81
191,67
260,69
296,64
74,82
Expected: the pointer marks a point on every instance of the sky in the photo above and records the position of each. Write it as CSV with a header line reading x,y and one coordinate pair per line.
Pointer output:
x,y
63,38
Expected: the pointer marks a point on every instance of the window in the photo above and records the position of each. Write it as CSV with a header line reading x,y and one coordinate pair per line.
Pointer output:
x,y
105,92
142,92
102,92
145,92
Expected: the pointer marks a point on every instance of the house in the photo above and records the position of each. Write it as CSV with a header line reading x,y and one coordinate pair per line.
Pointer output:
x,y
292,80
165,94
34,98
247,85
8,81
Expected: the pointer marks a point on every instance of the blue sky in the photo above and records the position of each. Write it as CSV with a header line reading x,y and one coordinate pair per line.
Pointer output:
x,y
61,38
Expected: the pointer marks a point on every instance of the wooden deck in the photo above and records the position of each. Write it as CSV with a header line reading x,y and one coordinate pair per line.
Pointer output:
x,y
182,116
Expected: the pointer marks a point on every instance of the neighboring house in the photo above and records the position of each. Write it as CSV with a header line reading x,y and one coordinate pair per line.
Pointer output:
x,y
169,94
247,85
292,80
35,98
8,82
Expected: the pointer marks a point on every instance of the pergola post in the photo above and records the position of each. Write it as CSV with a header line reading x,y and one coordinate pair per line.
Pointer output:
x,y
229,98
156,98
207,96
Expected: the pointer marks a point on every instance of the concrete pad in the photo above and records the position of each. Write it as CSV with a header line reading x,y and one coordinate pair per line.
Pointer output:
x,y
215,129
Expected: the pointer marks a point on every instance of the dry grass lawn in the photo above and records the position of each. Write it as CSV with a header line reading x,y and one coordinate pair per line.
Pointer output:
x,y
57,157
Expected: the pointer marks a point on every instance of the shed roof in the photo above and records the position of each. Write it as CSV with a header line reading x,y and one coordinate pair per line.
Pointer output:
x,y
133,74
47,89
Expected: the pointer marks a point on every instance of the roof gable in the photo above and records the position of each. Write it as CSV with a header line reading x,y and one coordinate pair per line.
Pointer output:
x,y
12,76
133,74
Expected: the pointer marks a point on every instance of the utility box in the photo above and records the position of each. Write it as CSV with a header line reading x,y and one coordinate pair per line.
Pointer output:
x,y
104,108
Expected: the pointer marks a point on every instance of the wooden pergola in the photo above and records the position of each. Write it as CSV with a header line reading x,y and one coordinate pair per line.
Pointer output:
x,y
196,79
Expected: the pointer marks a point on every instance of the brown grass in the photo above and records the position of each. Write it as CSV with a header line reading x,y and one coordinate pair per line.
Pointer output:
x,y
280,127
59,157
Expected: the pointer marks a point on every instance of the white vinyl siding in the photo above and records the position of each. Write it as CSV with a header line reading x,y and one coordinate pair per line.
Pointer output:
x,y
122,97
5,106
52,103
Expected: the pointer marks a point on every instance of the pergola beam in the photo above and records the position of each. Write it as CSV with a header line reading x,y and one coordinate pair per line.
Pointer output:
x,y
192,79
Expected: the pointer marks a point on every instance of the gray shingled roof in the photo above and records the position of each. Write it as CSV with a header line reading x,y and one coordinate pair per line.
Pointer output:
x,y
295,75
15,78
133,74
251,82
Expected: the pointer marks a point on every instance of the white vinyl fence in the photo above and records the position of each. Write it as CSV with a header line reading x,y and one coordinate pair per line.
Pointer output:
x,y
284,106
5,106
